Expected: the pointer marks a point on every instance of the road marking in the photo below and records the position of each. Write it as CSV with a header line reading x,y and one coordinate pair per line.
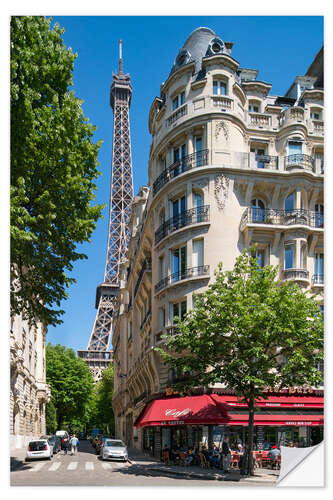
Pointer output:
x,y
37,467
55,466
72,466
106,465
89,466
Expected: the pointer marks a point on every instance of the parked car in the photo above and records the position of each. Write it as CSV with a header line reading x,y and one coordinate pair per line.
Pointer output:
x,y
55,442
114,449
100,443
39,448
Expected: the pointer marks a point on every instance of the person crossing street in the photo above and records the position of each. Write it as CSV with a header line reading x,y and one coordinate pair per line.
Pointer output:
x,y
74,444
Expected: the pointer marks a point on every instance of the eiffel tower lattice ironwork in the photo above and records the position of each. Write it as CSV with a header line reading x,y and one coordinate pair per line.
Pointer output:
x,y
97,355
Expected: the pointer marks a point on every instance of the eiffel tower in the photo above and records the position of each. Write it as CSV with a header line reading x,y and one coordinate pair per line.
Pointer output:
x,y
98,356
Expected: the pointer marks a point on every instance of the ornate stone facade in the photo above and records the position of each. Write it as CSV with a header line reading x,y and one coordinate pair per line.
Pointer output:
x,y
242,167
29,392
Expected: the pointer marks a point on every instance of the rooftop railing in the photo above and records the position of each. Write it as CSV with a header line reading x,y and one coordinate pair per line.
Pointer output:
x,y
186,218
182,275
194,160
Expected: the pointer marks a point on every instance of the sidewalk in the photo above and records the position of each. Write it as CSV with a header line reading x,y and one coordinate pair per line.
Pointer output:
x,y
261,475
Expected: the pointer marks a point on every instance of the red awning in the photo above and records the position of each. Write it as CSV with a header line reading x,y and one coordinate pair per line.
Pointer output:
x,y
282,401
188,410
273,420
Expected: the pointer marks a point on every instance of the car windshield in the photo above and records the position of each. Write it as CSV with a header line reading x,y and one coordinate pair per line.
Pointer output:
x,y
114,444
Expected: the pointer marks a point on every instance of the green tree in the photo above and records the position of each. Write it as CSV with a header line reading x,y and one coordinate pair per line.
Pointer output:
x,y
249,331
50,418
53,169
104,393
71,383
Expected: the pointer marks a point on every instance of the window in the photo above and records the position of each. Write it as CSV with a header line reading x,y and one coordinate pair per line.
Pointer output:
x,y
294,148
198,204
219,87
178,101
289,256
197,253
178,263
178,208
319,215
198,151
319,267
259,254
254,107
161,267
315,115
177,309
302,259
289,202
179,154
161,317
258,210
260,153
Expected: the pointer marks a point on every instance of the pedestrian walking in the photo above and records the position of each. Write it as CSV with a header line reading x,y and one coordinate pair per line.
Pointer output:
x,y
65,445
74,444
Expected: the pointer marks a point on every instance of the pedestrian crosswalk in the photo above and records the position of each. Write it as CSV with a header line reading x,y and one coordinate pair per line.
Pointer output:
x,y
75,465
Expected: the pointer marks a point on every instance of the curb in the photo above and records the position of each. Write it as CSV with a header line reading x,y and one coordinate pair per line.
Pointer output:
x,y
194,475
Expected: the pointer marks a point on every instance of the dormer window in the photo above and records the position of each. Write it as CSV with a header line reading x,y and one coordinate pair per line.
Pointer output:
x,y
219,87
178,101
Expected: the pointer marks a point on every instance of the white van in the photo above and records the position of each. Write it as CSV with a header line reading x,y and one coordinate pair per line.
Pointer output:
x,y
62,434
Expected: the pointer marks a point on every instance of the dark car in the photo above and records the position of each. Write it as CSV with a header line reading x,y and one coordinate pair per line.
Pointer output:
x,y
55,441
82,436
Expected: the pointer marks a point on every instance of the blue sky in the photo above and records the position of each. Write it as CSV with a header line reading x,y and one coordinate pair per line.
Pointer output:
x,y
280,47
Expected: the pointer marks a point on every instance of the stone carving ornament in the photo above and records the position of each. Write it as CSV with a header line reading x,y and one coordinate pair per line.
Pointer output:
x,y
221,125
221,188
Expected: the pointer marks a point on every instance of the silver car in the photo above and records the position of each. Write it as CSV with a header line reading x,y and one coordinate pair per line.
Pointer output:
x,y
115,449
39,448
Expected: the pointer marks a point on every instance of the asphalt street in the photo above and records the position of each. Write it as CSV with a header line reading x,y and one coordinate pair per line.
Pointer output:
x,y
87,469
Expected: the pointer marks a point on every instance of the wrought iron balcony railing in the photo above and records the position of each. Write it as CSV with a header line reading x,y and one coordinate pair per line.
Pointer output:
x,y
267,161
148,313
318,279
305,162
296,274
182,275
186,218
194,160
275,216
146,266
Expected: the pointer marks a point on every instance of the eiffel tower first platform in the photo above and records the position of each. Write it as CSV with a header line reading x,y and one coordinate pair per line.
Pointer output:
x,y
98,355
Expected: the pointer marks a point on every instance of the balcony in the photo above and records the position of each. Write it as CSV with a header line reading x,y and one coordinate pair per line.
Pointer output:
x,y
194,160
192,272
301,275
318,127
168,330
224,103
146,266
318,280
187,218
274,216
292,116
259,120
178,113
299,161
267,162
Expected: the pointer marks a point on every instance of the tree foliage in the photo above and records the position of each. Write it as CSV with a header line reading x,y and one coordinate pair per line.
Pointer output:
x,y
50,418
248,331
53,169
104,415
71,384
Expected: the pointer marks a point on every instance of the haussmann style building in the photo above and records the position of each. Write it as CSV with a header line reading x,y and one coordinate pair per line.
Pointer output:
x,y
230,165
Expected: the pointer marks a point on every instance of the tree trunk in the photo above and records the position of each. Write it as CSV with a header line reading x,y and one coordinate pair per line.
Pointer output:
x,y
250,465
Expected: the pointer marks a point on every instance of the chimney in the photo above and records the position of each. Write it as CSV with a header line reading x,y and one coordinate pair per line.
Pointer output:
x,y
228,46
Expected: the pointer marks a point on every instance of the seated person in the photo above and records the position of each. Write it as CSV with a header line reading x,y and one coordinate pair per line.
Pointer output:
x,y
274,453
190,457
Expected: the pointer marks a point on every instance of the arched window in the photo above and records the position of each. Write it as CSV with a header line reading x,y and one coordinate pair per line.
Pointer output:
x,y
289,202
258,210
